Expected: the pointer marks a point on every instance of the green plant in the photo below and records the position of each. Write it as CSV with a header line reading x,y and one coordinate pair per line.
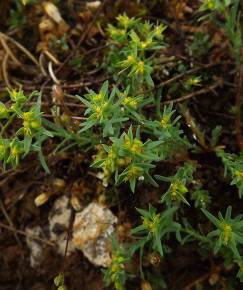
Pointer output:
x,y
177,189
230,10
167,130
104,111
30,134
155,228
129,158
228,233
233,165
131,45
115,273
17,14
59,282
136,139
201,198
200,45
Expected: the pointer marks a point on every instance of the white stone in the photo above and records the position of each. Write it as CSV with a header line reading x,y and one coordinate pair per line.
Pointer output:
x,y
36,248
59,222
91,233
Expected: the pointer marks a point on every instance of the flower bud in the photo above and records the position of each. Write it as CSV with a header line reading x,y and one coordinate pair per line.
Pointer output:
x,y
59,183
41,199
145,285
75,203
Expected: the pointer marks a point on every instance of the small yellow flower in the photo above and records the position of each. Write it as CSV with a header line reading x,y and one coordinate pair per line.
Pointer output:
x,y
129,101
210,4
177,187
124,161
173,195
15,151
140,67
227,232
17,96
112,154
115,32
27,116
193,81
27,130
145,44
158,30
99,109
239,173
98,97
124,20
151,225
131,59
165,121
134,172
135,146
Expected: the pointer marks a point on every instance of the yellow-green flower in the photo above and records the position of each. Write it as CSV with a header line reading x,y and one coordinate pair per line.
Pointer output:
x,y
98,110
31,122
116,33
17,96
134,172
193,81
239,173
134,146
210,4
176,188
131,102
165,121
140,68
158,31
146,44
124,20
227,233
129,61
152,224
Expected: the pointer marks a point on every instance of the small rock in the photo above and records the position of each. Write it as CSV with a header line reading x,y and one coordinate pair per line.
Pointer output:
x,y
94,5
36,248
59,219
91,233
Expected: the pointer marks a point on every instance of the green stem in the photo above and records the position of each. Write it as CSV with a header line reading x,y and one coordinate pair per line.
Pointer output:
x,y
7,124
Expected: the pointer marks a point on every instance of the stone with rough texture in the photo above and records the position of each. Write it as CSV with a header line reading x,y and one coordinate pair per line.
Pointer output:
x,y
36,248
91,233
59,219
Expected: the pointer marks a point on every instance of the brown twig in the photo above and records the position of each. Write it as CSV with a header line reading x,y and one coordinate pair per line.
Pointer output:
x,y
23,233
5,70
191,95
20,47
72,105
72,117
8,50
9,221
197,281
182,75
194,94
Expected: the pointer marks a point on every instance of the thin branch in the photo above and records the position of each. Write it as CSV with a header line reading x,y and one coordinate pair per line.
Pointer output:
x,y
23,233
194,94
